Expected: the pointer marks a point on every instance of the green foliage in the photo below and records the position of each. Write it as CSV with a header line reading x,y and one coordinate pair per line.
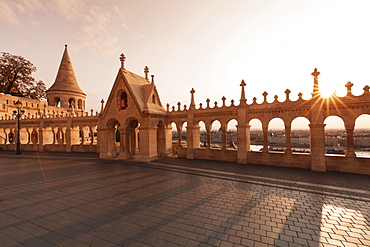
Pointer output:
x,y
16,77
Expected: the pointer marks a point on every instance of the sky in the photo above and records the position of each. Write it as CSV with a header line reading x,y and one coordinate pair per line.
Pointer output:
x,y
208,45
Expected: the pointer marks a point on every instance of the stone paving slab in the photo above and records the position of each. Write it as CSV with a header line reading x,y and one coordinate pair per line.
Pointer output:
x,y
62,200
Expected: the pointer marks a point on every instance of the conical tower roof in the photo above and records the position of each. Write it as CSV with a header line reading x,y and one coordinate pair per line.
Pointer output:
x,y
66,79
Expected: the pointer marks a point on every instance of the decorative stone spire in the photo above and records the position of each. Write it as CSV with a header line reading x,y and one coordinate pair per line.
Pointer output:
x,y
316,88
102,105
146,71
192,102
243,100
122,58
152,79
66,79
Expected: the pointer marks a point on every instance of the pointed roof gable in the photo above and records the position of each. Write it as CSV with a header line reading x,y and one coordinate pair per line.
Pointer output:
x,y
141,91
66,79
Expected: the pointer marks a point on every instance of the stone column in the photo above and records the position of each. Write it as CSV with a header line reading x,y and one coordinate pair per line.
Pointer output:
x,y
68,139
288,143
243,140
208,130
317,140
103,142
350,142
82,133
265,139
92,130
148,143
224,137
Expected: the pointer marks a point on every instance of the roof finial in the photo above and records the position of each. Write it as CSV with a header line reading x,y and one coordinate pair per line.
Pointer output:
x,y
243,100
122,58
65,45
146,71
152,79
192,102
315,74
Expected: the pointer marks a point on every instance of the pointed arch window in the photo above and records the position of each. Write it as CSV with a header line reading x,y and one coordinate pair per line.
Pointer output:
x,y
123,101
153,99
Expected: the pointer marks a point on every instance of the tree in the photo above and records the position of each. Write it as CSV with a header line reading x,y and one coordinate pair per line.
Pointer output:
x,y
16,77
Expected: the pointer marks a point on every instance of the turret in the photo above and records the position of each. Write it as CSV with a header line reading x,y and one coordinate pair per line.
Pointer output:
x,y
65,92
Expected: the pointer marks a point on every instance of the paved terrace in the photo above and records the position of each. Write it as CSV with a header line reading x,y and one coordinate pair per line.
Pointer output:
x,y
59,199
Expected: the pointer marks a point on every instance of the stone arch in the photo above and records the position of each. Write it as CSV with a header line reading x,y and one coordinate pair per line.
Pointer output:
x,y
57,102
71,103
256,134
276,135
203,134
123,100
335,135
216,134
131,138
231,133
300,135
112,147
362,136
79,104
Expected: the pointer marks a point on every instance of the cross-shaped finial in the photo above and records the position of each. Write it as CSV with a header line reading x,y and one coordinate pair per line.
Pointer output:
x,y
146,71
192,91
122,58
315,73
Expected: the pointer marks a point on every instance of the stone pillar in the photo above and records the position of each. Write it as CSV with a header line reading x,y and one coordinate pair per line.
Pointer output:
x,y
243,140
68,139
148,144
265,139
189,142
224,135
288,142
350,142
103,142
82,133
317,140
92,130
28,136
41,139
208,130
135,140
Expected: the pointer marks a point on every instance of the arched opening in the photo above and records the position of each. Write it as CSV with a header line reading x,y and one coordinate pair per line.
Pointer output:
x,y
202,134
256,135
34,136
300,135
56,102
153,99
117,135
79,104
71,103
216,135
231,134
123,101
113,147
132,137
335,136
361,136
184,140
276,135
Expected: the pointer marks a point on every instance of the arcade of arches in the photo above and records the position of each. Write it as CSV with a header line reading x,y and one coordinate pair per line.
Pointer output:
x,y
133,124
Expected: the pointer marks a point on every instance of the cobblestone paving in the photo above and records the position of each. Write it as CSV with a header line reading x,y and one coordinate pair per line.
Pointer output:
x,y
78,201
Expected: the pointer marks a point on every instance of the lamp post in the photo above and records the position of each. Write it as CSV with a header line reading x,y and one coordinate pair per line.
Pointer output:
x,y
18,113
